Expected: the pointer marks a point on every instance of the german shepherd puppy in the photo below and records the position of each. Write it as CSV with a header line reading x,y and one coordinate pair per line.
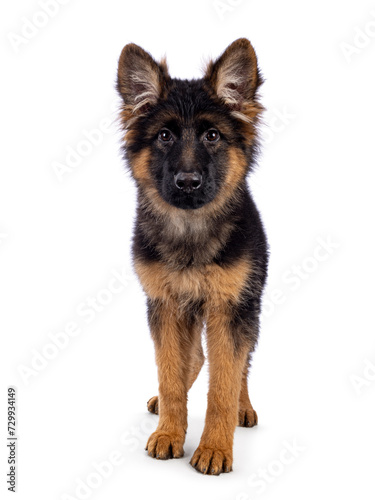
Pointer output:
x,y
199,246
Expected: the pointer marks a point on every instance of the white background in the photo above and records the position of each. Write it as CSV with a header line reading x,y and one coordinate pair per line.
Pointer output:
x,y
312,382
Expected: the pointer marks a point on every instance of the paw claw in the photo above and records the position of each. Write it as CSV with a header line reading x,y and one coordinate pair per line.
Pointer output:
x,y
211,461
163,445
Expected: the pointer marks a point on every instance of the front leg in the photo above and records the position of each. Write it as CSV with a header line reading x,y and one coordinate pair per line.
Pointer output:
x,y
228,345
171,333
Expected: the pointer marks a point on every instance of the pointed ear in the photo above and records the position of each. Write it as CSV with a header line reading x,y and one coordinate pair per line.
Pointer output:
x,y
141,81
235,78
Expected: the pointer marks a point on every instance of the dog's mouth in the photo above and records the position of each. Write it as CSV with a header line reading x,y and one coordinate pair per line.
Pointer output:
x,y
187,200
190,197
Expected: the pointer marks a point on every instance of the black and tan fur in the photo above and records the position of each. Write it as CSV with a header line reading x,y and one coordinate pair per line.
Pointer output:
x,y
199,247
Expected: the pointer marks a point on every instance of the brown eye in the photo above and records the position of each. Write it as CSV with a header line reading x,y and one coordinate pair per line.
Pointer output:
x,y
165,135
212,135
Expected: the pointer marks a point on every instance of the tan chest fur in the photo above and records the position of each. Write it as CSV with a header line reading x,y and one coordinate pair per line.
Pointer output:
x,y
211,283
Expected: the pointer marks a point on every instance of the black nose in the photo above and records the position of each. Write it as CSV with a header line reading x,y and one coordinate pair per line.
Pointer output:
x,y
188,181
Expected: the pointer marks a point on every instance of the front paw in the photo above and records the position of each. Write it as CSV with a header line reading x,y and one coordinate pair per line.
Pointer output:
x,y
209,460
164,445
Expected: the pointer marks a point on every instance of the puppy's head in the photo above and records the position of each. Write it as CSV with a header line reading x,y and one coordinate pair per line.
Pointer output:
x,y
190,142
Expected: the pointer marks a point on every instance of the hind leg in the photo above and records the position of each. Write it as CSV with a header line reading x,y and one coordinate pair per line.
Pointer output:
x,y
247,416
193,366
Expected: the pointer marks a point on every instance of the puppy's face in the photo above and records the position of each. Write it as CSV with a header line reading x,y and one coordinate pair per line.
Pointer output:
x,y
190,138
